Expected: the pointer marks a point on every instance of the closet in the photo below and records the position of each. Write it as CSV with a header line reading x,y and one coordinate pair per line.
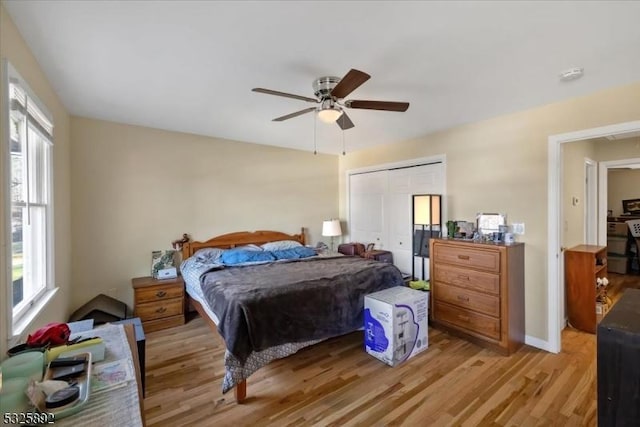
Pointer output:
x,y
380,207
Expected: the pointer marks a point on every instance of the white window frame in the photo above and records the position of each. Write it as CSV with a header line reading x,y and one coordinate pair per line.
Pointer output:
x,y
18,322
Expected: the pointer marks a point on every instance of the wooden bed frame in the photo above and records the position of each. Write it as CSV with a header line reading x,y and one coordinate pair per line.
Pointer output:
x,y
233,240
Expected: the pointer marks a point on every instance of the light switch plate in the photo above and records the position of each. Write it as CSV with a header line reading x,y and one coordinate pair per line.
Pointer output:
x,y
518,228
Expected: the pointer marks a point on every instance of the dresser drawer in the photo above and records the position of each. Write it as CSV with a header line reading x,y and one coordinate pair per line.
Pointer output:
x,y
159,292
467,320
488,260
476,301
470,279
160,309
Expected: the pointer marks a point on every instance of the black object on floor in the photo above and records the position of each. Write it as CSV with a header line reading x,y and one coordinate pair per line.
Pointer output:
x,y
102,309
618,352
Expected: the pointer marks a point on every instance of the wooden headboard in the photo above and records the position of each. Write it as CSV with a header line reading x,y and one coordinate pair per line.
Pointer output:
x,y
240,238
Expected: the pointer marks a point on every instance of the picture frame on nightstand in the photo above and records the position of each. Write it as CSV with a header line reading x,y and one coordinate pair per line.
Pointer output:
x,y
162,260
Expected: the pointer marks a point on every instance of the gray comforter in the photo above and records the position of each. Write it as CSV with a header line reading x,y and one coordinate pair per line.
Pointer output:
x,y
262,306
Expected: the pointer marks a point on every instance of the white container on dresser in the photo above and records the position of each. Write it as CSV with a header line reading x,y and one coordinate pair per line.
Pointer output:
x,y
477,291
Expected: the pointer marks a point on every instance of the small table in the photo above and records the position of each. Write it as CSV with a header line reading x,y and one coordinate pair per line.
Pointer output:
x,y
121,405
140,342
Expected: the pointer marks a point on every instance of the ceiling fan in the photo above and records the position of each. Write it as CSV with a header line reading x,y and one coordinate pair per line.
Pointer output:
x,y
330,92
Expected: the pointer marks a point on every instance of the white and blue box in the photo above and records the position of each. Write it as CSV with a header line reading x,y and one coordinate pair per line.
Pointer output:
x,y
395,324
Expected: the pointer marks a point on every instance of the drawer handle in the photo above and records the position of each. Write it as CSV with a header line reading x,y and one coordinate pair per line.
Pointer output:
x,y
463,298
465,257
462,277
161,310
464,318
161,294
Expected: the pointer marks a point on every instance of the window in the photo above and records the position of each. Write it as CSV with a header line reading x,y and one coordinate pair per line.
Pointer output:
x,y
30,144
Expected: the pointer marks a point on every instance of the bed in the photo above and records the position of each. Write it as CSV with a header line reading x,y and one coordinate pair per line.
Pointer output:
x,y
275,302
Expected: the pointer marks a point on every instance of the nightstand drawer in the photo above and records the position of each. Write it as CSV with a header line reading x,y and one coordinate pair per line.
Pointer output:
x,y
159,292
470,279
161,309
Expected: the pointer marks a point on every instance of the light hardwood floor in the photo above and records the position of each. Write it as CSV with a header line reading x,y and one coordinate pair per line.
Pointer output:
x,y
335,383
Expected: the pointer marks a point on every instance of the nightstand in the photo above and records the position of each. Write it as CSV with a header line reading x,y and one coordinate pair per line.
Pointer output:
x,y
158,303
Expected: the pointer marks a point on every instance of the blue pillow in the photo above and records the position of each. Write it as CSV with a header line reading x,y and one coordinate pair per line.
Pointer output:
x,y
240,256
294,253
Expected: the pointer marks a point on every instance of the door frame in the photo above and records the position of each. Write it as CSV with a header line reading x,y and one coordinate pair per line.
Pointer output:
x,y
555,264
591,199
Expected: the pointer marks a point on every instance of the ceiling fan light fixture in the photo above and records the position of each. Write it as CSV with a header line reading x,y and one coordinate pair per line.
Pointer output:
x,y
329,115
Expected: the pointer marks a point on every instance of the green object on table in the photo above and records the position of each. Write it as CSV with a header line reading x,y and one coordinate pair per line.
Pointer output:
x,y
421,285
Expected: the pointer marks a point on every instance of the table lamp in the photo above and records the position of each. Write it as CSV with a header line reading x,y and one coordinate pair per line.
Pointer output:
x,y
331,228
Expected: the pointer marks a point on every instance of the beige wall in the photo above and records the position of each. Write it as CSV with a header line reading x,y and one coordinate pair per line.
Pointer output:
x,y
13,48
500,165
136,189
628,148
622,184
573,185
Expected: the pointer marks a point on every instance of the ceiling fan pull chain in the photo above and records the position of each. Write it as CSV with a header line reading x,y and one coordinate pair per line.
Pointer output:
x,y
315,136
343,150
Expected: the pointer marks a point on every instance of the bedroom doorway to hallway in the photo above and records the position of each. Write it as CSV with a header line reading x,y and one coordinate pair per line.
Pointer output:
x,y
555,263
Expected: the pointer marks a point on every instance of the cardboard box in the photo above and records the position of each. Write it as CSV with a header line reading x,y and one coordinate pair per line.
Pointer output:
x,y
395,324
617,264
617,245
601,310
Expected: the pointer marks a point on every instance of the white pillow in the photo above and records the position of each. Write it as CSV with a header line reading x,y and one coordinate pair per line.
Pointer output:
x,y
249,247
208,255
281,245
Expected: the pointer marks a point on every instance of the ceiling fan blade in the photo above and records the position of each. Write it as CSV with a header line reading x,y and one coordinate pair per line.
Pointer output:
x,y
350,82
296,114
377,105
286,95
344,121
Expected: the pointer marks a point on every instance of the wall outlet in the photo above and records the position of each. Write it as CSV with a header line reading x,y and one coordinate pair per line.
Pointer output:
x,y
518,228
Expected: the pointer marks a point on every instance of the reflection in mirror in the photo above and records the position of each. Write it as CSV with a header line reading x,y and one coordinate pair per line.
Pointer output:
x,y
490,222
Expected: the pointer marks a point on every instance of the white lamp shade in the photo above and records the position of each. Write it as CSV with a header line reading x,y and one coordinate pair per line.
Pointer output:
x,y
426,210
329,115
331,228
421,210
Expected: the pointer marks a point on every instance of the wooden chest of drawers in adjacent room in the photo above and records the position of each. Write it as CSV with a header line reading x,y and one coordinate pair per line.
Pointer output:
x,y
477,291
159,303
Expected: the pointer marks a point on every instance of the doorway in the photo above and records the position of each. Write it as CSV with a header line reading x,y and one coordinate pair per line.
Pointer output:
x,y
555,262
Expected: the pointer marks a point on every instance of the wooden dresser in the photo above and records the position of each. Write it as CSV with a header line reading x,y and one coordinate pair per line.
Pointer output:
x,y
477,291
159,303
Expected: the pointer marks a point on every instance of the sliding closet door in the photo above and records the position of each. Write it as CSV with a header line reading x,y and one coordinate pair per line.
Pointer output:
x,y
403,184
380,208
399,224
367,194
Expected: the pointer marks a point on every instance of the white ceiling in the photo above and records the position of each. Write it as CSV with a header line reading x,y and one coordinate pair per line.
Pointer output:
x,y
190,66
